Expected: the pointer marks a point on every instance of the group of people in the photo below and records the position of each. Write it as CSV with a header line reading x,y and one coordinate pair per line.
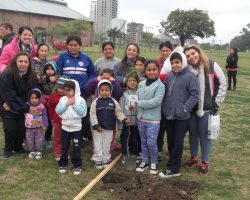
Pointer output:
x,y
173,94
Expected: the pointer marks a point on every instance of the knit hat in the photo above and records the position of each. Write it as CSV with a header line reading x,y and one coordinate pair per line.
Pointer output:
x,y
51,64
62,79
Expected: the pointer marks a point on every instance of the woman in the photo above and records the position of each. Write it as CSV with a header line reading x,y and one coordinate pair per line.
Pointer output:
x,y
21,42
232,67
78,66
127,63
212,83
15,83
109,60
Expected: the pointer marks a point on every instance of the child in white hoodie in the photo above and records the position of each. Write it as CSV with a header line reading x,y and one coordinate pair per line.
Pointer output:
x,y
71,108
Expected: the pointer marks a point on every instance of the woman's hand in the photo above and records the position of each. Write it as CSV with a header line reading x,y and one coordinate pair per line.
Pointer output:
x,y
6,106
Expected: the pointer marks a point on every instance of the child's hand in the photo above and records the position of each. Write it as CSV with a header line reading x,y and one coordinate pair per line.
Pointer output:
x,y
99,78
128,122
131,107
70,101
34,111
111,79
44,129
6,106
53,79
38,77
99,129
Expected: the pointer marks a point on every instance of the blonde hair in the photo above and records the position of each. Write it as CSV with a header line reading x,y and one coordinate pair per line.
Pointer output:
x,y
203,60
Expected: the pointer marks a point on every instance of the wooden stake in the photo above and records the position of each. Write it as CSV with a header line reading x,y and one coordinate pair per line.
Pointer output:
x,y
97,178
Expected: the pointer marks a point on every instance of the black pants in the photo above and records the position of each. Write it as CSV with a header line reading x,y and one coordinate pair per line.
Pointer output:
x,y
14,133
133,140
160,138
48,132
176,130
232,75
76,137
86,129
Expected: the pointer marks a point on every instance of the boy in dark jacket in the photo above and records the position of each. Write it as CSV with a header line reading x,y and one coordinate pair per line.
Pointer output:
x,y
103,114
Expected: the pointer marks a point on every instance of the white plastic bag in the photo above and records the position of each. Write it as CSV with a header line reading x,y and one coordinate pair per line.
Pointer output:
x,y
214,126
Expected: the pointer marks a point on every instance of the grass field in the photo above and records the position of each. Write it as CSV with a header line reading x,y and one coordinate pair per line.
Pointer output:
x,y
228,178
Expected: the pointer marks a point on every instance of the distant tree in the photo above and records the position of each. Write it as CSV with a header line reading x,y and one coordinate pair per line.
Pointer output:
x,y
242,42
188,24
205,46
113,34
147,39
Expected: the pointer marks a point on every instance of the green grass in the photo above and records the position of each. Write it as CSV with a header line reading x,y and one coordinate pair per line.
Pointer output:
x,y
228,178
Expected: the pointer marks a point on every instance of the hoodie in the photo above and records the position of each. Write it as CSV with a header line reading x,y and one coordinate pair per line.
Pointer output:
x,y
105,111
182,92
72,115
41,119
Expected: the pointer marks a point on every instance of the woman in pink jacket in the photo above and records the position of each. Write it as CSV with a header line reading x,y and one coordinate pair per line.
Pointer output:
x,y
21,42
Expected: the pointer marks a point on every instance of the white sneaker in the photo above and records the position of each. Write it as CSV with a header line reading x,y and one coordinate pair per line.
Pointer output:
x,y
62,170
153,169
142,167
32,155
77,171
38,155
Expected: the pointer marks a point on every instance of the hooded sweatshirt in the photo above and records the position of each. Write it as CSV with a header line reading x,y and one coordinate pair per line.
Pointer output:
x,y
105,111
41,119
71,115
182,92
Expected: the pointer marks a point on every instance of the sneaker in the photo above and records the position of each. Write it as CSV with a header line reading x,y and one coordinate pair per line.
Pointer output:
x,y
98,165
7,154
38,155
168,174
22,152
204,168
142,167
32,155
105,163
153,169
124,158
77,171
62,170
57,158
192,162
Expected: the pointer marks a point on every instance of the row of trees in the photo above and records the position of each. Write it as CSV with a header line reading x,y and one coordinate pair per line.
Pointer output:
x,y
242,42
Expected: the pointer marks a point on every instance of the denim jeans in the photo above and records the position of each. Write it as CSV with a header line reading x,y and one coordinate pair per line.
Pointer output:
x,y
198,129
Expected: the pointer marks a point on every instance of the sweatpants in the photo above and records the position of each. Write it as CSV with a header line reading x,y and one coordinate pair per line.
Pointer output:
x,y
76,138
14,133
176,130
57,139
102,142
133,139
160,138
35,139
148,134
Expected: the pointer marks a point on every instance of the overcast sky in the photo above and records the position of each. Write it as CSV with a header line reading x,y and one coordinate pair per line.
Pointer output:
x,y
229,16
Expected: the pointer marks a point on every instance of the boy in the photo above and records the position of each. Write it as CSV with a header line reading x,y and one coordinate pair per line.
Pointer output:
x,y
182,92
103,113
71,108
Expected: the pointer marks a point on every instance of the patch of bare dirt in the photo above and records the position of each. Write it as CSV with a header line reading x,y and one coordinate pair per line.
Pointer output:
x,y
147,187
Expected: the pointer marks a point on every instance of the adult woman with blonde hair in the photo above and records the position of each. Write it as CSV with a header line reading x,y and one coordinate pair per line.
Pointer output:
x,y
212,83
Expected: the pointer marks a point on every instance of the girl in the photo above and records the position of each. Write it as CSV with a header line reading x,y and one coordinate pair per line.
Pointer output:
x,y
36,125
15,84
22,42
127,64
181,96
140,67
150,94
109,60
125,101
212,84
232,67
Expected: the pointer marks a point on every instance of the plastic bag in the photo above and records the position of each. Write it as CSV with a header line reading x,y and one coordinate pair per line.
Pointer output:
x,y
214,126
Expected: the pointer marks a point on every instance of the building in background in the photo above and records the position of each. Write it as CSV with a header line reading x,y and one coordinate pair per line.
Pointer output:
x,y
134,32
41,15
106,11
93,14
119,23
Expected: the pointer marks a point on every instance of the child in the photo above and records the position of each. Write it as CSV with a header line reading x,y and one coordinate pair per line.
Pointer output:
x,y
140,68
125,101
71,108
103,113
50,76
56,120
36,125
182,92
90,88
150,94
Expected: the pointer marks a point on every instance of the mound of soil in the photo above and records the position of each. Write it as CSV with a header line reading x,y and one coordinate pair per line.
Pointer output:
x,y
134,186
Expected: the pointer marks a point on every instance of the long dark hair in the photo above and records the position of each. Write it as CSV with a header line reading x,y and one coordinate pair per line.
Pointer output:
x,y
125,58
13,70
